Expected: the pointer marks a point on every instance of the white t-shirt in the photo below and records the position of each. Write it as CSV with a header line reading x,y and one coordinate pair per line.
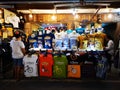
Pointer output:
x,y
16,49
15,21
30,65
73,35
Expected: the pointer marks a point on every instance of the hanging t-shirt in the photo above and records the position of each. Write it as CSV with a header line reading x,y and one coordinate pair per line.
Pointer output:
x,y
5,34
45,65
15,21
73,40
9,27
32,40
63,33
101,67
40,40
83,40
73,59
66,44
48,40
91,42
74,71
103,36
58,41
59,67
100,41
30,65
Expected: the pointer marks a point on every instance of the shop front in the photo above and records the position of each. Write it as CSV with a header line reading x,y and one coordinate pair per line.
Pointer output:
x,y
61,44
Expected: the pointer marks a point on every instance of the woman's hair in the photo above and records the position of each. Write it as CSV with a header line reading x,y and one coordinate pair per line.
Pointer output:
x,y
17,34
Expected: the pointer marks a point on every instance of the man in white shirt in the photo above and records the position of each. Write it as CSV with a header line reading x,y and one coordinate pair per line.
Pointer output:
x,y
18,51
109,50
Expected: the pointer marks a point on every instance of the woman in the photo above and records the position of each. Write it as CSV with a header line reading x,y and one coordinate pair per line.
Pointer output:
x,y
18,51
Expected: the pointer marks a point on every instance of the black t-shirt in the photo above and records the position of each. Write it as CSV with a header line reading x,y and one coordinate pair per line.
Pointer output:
x,y
8,25
73,59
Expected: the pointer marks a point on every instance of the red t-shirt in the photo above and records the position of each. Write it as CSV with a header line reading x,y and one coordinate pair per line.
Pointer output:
x,y
45,65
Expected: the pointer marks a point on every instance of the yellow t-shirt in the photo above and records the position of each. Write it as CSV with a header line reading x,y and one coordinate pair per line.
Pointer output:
x,y
10,31
5,35
102,37
83,40
100,41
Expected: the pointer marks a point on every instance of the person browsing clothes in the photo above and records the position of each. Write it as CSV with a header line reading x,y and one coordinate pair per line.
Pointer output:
x,y
109,49
18,51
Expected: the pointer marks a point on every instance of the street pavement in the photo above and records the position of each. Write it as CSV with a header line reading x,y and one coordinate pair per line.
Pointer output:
x,y
57,84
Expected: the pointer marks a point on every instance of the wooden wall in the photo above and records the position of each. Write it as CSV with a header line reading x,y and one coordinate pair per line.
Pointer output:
x,y
46,18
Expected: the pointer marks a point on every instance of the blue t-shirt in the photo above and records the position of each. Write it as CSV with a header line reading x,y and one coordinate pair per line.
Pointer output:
x,y
69,31
48,38
35,44
40,41
80,30
101,67
73,40
32,41
58,43
66,44
73,43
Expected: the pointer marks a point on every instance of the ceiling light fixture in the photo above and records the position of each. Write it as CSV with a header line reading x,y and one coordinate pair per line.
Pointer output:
x,y
76,16
30,14
109,15
53,17
54,14
74,11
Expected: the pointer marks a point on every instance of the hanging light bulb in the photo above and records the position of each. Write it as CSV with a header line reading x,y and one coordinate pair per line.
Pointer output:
x,y
53,17
76,16
107,9
110,16
30,15
74,11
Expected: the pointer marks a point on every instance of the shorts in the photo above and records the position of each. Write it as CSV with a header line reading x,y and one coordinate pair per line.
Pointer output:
x,y
18,62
